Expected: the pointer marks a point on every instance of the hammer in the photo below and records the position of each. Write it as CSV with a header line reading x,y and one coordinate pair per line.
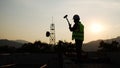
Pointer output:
x,y
67,20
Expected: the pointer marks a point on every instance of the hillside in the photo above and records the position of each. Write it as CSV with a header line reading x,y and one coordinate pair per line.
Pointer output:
x,y
10,43
21,41
93,45
90,46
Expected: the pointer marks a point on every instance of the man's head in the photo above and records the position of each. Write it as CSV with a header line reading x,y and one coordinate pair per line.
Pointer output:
x,y
76,18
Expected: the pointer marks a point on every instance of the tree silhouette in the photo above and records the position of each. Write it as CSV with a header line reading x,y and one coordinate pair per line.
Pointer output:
x,y
36,47
37,44
113,46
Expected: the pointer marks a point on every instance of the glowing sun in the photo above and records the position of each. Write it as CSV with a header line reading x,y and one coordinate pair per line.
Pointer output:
x,y
96,28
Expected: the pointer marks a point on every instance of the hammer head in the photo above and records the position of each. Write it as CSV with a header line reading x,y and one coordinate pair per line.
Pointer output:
x,y
65,16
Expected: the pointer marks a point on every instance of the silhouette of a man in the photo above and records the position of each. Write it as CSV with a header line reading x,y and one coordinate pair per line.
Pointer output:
x,y
77,34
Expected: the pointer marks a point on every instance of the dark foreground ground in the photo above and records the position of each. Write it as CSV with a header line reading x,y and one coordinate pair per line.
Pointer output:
x,y
28,60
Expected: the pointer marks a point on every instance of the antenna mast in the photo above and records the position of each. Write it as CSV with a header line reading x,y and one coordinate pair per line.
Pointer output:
x,y
52,33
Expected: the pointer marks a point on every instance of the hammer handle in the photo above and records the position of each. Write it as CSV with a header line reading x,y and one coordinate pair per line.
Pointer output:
x,y
68,21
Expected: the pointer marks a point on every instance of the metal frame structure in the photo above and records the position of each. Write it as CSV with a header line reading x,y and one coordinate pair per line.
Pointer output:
x,y
52,34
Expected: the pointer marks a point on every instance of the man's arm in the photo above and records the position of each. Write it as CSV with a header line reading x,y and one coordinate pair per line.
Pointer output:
x,y
73,28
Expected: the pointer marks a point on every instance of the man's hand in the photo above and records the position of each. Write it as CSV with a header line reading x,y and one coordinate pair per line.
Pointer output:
x,y
69,25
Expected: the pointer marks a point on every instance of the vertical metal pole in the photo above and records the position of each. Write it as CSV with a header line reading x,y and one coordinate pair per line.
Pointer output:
x,y
52,33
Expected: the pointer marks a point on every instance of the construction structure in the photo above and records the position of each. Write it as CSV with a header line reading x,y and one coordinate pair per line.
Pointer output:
x,y
51,34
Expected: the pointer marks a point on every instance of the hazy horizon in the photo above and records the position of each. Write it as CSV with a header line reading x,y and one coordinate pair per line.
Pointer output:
x,y
56,41
30,19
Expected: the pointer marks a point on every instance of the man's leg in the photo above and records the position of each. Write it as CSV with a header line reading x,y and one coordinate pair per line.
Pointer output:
x,y
78,48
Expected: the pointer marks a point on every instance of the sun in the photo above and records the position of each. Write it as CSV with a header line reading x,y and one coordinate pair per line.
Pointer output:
x,y
96,27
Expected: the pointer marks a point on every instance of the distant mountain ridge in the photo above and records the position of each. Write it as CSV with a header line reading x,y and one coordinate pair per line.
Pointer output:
x,y
21,41
90,46
16,43
93,45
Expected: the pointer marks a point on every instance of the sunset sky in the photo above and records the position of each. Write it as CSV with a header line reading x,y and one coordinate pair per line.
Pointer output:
x,y
30,19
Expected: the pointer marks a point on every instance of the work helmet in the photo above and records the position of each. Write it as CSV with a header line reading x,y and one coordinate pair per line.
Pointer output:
x,y
76,17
